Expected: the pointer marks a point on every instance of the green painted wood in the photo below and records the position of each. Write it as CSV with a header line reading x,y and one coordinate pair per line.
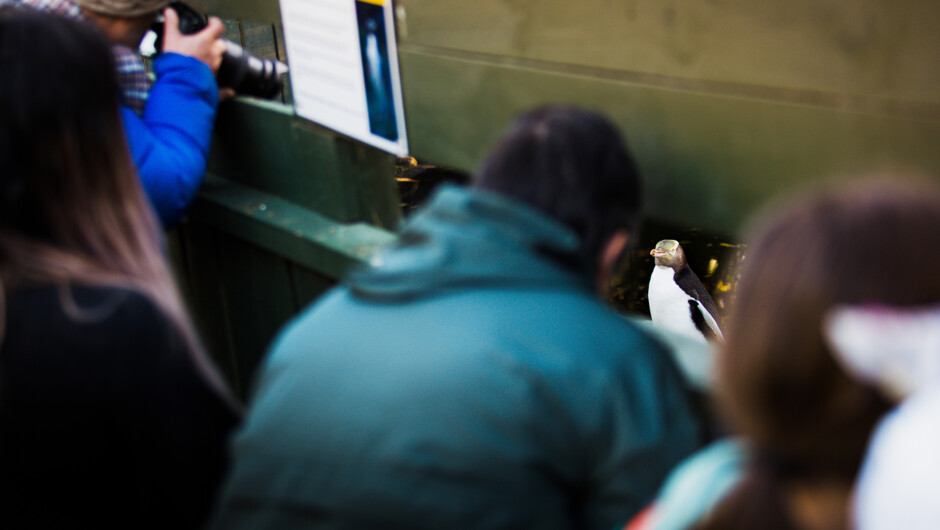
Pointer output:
x,y
371,189
233,31
196,255
258,301
251,260
283,228
308,284
252,10
248,261
258,38
288,208
264,146
257,145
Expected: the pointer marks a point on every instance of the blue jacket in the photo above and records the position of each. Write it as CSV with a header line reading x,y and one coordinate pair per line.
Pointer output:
x,y
170,143
698,485
466,380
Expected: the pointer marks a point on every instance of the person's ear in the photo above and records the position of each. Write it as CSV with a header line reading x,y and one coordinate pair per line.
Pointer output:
x,y
610,255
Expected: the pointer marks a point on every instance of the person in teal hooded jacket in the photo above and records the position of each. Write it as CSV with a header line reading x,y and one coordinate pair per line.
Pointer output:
x,y
471,377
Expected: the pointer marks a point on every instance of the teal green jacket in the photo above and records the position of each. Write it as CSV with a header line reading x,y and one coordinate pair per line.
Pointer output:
x,y
468,379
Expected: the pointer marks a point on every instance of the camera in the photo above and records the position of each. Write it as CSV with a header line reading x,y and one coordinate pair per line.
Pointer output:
x,y
240,70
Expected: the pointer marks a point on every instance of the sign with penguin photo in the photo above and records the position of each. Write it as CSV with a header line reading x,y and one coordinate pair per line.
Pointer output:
x,y
344,68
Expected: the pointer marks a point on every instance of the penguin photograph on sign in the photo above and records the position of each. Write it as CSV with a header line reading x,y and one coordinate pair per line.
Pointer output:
x,y
375,67
678,300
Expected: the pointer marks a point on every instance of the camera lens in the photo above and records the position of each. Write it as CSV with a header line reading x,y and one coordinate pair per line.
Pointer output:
x,y
248,74
241,71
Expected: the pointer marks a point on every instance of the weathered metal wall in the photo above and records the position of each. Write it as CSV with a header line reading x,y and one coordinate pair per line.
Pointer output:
x,y
725,103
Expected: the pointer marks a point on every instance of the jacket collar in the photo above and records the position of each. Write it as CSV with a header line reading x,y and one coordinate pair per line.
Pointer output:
x,y
470,237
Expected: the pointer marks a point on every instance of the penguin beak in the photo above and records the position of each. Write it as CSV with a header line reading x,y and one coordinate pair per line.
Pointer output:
x,y
656,253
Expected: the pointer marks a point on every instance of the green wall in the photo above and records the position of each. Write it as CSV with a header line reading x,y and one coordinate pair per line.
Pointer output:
x,y
726,104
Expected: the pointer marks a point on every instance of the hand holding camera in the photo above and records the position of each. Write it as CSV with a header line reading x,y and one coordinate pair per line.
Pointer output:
x,y
204,45
183,30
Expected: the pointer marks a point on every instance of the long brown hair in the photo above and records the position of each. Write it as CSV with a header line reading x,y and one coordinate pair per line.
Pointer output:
x,y
71,208
806,421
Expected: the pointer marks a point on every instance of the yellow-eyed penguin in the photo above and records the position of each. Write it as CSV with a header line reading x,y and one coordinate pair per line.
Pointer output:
x,y
678,300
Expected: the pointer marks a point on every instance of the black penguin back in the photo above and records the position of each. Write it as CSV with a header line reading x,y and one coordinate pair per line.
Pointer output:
x,y
692,286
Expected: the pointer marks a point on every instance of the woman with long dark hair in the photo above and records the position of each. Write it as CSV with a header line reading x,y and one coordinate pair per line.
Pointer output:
x,y
111,415
803,416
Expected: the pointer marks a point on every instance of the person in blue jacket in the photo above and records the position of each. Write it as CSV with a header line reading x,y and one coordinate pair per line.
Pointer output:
x,y
169,124
471,377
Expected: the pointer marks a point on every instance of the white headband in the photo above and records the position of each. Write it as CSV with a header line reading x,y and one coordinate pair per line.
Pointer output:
x,y
896,349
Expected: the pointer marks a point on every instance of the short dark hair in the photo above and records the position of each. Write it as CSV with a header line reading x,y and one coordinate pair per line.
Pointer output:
x,y
572,165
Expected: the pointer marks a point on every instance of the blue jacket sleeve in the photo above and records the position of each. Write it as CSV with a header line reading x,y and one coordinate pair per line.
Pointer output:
x,y
170,143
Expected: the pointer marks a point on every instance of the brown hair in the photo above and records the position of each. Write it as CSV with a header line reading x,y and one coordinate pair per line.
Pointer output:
x,y
806,421
71,208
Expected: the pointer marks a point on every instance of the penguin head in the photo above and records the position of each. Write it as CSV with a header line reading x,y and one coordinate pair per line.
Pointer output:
x,y
669,253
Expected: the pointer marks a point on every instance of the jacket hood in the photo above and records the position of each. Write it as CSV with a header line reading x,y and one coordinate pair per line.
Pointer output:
x,y
469,237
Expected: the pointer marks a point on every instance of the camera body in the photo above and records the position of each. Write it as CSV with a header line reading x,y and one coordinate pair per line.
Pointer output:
x,y
240,70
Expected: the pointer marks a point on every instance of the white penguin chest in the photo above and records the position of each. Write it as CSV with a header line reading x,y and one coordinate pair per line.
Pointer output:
x,y
669,304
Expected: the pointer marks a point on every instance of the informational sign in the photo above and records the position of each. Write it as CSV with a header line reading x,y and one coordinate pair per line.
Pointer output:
x,y
344,68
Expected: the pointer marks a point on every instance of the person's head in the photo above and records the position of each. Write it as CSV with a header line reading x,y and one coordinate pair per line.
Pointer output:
x,y
875,241
573,166
64,161
123,21
71,207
